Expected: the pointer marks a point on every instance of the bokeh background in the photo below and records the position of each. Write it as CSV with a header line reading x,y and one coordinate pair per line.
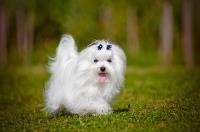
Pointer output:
x,y
162,32
161,39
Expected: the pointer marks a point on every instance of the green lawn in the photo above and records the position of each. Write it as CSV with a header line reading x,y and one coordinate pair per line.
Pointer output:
x,y
152,99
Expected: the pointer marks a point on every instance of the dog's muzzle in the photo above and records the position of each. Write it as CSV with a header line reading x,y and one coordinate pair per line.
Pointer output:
x,y
103,69
102,77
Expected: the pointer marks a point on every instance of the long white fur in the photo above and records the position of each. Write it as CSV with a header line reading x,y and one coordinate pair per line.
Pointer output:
x,y
74,78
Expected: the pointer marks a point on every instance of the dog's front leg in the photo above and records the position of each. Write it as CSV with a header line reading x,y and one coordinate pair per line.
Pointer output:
x,y
100,107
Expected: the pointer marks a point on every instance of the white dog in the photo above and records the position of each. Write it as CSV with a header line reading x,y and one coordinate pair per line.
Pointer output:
x,y
85,82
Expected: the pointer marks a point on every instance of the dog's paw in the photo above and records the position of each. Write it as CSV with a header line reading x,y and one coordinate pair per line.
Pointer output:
x,y
54,114
103,110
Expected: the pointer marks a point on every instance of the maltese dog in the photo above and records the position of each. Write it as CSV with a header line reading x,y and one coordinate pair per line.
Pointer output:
x,y
85,82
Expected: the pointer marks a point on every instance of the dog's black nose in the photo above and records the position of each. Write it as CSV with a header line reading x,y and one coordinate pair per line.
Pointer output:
x,y
102,68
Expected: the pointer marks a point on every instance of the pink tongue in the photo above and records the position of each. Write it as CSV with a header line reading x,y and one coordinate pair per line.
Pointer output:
x,y
102,77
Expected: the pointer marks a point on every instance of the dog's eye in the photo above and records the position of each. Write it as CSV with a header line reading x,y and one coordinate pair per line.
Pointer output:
x,y
109,60
95,60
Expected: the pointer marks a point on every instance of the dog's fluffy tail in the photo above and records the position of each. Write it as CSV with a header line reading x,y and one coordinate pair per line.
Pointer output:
x,y
66,51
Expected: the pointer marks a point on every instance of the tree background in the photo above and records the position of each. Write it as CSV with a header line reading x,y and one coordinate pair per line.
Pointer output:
x,y
151,33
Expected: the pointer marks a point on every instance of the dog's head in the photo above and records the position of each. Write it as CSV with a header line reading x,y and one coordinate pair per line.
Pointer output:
x,y
104,62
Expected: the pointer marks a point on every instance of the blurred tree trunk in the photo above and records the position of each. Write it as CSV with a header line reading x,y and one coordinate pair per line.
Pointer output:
x,y
24,30
107,22
132,30
3,35
167,33
28,35
20,20
196,14
187,33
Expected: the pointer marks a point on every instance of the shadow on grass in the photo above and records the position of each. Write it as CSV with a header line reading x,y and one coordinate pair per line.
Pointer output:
x,y
64,113
120,110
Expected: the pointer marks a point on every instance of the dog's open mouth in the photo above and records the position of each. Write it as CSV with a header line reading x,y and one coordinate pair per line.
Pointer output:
x,y
102,76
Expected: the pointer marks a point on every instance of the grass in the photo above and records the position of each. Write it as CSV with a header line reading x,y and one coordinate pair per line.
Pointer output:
x,y
153,99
